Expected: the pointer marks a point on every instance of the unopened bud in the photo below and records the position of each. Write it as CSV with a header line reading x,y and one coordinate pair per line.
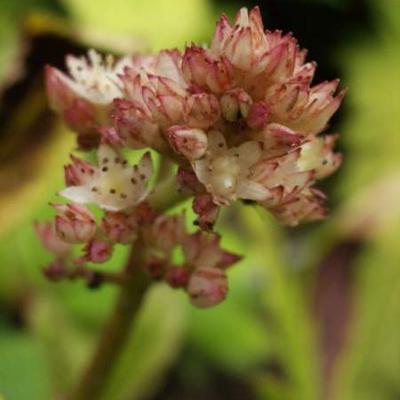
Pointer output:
x,y
192,143
177,277
258,115
74,223
97,251
206,209
50,240
207,287
202,110
120,227
55,271
235,104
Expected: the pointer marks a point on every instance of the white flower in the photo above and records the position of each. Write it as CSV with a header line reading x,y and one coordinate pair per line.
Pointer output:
x,y
113,185
95,78
225,172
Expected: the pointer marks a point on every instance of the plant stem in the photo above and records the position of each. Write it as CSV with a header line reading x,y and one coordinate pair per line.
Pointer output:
x,y
132,291
116,330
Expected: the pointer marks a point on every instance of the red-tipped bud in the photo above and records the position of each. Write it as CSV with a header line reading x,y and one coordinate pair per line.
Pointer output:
x,y
96,251
235,104
56,271
192,143
202,110
201,69
177,277
258,115
74,223
78,172
50,240
207,287
187,181
120,227
206,209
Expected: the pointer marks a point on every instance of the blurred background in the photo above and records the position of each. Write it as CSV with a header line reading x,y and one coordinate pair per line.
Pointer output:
x,y
313,312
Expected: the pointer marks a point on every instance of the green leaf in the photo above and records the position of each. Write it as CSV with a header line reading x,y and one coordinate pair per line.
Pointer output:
x,y
23,373
290,328
229,335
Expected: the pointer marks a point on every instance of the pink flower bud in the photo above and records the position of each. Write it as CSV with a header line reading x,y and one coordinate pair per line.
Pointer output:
x,y
177,277
78,173
50,240
192,143
134,126
245,43
235,104
145,214
164,234
258,115
307,206
120,227
74,223
203,70
202,110
187,181
207,287
56,271
96,251
206,209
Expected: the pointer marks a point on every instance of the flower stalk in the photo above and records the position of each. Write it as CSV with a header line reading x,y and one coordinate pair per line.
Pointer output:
x,y
117,329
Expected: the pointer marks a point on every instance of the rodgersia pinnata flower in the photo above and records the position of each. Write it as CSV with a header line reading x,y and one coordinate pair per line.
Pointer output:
x,y
242,121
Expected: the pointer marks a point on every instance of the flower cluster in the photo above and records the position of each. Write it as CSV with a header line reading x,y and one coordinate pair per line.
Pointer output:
x,y
240,119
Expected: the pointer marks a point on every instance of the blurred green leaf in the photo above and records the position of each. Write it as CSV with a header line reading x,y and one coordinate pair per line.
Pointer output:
x,y
290,327
230,335
64,346
369,369
23,373
161,23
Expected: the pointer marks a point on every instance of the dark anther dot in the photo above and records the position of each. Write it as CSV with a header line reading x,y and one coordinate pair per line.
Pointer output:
x,y
94,189
124,162
91,171
112,191
133,180
82,170
184,140
117,160
236,154
142,177
220,145
104,169
123,196
105,160
324,162
136,168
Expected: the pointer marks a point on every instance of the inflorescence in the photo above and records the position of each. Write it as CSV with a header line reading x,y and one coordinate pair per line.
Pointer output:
x,y
241,121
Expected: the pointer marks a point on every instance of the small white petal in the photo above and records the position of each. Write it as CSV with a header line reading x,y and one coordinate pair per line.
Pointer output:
x,y
251,190
78,194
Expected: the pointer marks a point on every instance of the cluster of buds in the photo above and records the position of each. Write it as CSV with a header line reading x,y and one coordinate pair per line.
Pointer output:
x,y
240,119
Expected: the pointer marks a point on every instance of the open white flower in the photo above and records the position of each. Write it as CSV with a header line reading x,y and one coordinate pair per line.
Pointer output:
x,y
225,172
114,185
96,78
